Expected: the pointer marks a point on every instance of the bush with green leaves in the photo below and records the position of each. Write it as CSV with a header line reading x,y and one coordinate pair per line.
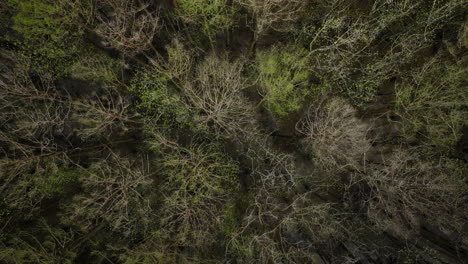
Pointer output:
x,y
157,99
180,61
25,183
284,78
45,33
57,181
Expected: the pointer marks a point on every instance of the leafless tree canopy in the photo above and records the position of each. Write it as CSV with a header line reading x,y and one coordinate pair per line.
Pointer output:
x,y
216,91
129,27
335,135
275,14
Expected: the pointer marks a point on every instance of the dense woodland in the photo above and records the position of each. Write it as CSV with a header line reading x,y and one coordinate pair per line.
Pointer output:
x,y
233,131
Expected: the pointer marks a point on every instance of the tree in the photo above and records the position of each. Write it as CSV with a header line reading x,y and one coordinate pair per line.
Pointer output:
x,y
114,192
432,103
211,16
408,189
216,92
274,14
130,27
284,78
46,35
335,136
199,181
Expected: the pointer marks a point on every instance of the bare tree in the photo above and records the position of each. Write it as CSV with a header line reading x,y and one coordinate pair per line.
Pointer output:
x,y
281,231
199,181
335,135
407,189
113,191
38,111
38,123
217,93
274,14
30,116
130,27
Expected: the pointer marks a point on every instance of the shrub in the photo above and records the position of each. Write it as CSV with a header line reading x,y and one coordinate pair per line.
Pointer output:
x,y
180,61
57,181
284,78
94,65
25,183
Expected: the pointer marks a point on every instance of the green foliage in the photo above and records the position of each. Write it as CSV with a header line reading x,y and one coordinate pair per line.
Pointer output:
x,y
94,65
59,182
210,16
284,78
433,104
180,60
47,35
199,181
158,100
48,178
230,214
201,171
242,248
162,156
44,244
233,212
5,217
